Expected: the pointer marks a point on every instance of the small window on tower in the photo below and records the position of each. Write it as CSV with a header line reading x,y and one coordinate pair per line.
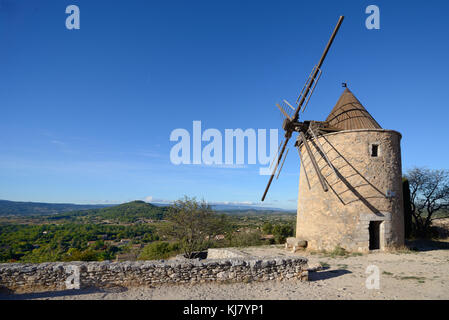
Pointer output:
x,y
374,150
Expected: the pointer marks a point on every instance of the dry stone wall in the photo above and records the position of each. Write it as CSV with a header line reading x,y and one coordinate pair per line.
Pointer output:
x,y
54,276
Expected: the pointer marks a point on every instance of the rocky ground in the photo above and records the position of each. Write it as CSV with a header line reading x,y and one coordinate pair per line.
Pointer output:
x,y
405,274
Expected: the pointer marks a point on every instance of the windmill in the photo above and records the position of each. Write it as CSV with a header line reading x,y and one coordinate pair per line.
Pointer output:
x,y
305,129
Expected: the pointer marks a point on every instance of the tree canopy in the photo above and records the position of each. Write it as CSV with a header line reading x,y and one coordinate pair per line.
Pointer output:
x,y
193,224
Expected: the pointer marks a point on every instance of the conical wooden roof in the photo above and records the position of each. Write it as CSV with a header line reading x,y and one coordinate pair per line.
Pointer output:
x,y
349,114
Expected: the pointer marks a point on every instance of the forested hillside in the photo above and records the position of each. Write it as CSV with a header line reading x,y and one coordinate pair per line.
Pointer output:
x,y
8,208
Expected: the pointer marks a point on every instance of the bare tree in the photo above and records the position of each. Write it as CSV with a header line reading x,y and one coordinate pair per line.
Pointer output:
x,y
193,224
429,193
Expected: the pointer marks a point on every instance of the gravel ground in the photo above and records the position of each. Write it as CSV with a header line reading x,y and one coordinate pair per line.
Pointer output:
x,y
403,275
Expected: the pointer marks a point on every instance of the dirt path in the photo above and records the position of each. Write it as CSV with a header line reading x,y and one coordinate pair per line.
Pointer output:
x,y
412,275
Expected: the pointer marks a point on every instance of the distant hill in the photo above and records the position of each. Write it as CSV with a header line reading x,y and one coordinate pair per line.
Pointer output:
x,y
136,210
38,208
125,212
130,211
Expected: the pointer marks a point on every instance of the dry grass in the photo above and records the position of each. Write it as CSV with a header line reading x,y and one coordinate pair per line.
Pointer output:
x,y
399,250
337,252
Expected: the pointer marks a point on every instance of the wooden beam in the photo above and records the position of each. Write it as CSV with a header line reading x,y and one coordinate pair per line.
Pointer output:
x,y
314,163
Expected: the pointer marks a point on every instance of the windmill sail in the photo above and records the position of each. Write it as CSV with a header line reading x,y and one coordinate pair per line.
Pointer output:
x,y
291,121
316,70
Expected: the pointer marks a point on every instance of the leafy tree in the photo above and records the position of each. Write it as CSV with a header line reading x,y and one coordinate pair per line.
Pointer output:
x,y
99,244
246,239
193,224
86,255
158,250
267,228
282,231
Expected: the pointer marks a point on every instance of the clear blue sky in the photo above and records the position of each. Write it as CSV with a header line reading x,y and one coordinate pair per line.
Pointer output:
x,y
86,114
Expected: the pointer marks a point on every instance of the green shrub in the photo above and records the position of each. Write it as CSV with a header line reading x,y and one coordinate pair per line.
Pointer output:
x,y
246,239
74,254
282,232
159,250
267,228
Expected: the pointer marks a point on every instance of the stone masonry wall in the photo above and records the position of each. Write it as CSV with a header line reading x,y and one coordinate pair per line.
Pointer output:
x,y
52,276
362,189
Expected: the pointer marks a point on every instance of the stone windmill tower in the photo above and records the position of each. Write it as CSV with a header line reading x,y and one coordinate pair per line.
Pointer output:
x,y
350,186
362,209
